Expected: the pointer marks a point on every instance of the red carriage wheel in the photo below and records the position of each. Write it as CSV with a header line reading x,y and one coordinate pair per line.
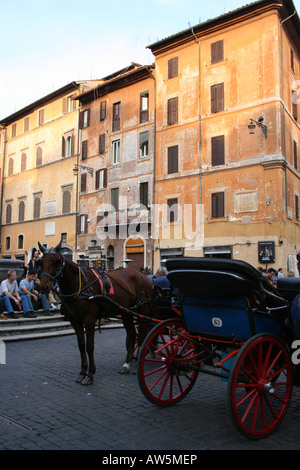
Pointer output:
x,y
167,363
260,385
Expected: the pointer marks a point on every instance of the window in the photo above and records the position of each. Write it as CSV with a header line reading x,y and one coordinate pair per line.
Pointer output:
x,y
116,116
66,202
173,67
8,217
102,143
173,159
172,111
10,167
144,194
26,124
21,216
69,104
20,242
292,61
37,207
296,207
39,156
217,98
84,119
41,117
84,149
101,179
217,150
102,110
144,144
217,54
144,107
115,198
294,105
172,209
295,155
83,223
67,146
217,205
7,243
116,152
23,162
83,182
64,237
14,130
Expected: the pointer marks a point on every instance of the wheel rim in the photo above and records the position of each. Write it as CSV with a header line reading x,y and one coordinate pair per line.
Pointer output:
x,y
260,386
168,374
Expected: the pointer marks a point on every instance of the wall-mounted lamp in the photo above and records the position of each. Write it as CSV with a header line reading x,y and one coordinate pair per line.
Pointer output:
x,y
83,167
259,123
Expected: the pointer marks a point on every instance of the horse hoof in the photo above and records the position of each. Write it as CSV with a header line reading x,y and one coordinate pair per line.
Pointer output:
x,y
88,380
124,370
80,378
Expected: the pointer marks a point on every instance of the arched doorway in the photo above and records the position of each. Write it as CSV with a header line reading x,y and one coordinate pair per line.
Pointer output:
x,y
135,250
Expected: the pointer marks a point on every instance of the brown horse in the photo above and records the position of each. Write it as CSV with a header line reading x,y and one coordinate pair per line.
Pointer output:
x,y
85,299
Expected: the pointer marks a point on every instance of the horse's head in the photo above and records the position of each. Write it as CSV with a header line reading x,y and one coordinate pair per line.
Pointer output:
x,y
52,265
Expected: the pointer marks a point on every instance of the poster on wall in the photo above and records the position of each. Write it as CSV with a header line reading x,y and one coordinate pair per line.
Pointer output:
x,y
266,252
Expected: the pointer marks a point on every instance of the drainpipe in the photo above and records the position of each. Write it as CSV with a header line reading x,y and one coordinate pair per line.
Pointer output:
x,y
284,107
199,116
77,183
2,183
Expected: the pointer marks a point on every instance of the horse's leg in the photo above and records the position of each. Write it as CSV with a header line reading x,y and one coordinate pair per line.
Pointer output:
x,y
78,327
130,341
90,336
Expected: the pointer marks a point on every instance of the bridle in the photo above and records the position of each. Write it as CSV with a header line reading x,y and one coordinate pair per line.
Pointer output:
x,y
59,271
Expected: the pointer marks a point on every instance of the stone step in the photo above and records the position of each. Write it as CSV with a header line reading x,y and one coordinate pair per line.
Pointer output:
x,y
40,327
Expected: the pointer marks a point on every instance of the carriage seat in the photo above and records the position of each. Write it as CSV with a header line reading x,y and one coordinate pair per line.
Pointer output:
x,y
288,287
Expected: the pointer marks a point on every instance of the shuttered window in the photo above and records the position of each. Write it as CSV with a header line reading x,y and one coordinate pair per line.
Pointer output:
x,y
116,117
144,194
295,155
102,143
173,159
172,111
21,217
26,124
173,67
8,217
102,110
83,183
23,162
101,179
217,54
144,107
39,156
41,116
84,119
37,208
295,105
66,202
217,205
84,150
217,98
296,207
217,150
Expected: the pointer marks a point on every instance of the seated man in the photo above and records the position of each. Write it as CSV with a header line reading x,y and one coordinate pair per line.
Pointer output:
x,y
26,291
9,293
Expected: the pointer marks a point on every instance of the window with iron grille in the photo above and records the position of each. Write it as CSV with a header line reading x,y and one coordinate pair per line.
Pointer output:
x,y
217,205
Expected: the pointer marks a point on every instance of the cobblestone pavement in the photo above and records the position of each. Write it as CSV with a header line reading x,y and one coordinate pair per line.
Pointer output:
x,y
42,407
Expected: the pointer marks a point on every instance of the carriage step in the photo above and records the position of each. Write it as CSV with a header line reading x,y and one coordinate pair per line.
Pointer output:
x,y
38,328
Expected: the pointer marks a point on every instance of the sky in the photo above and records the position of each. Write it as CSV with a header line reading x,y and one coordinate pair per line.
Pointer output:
x,y
46,44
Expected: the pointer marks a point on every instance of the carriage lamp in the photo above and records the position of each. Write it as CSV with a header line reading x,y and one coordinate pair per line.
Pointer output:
x,y
83,167
259,123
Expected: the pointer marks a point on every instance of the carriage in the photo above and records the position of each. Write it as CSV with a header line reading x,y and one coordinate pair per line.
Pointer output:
x,y
227,321
234,324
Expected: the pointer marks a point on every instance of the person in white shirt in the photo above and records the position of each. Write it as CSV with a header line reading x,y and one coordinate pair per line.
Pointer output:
x,y
9,293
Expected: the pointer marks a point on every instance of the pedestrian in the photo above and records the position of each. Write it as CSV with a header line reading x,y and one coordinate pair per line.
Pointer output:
x,y
280,274
10,295
270,275
27,291
35,263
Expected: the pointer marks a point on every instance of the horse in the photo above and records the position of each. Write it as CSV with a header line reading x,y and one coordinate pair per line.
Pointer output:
x,y
87,295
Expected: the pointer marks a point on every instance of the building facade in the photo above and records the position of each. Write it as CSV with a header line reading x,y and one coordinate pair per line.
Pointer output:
x,y
39,146
117,161
214,81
